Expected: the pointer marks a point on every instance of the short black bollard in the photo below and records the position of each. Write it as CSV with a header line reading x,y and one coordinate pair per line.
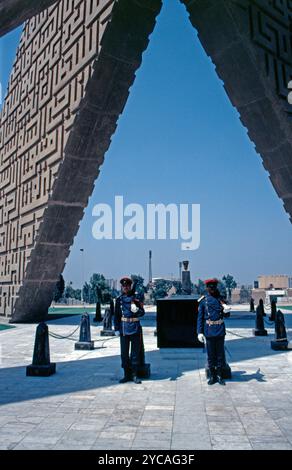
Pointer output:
x,y
107,324
98,317
262,308
85,335
41,365
259,329
273,310
281,342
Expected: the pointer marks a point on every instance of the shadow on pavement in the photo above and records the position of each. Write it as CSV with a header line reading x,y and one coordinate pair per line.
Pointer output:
x,y
88,373
104,371
242,376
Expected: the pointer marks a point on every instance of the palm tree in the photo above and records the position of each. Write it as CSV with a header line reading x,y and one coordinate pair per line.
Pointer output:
x,y
229,283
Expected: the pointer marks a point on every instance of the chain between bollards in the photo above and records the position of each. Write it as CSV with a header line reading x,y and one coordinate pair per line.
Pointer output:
x,y
57,336
69,337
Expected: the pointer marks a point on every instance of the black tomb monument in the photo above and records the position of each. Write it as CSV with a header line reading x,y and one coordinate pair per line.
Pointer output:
x,y
177,317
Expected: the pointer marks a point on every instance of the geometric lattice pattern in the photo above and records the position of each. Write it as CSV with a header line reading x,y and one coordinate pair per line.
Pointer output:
x,y
70,81
52,66
270,30
250,42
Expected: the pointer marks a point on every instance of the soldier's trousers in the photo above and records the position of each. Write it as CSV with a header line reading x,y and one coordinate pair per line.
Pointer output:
x,y
131,362
216,352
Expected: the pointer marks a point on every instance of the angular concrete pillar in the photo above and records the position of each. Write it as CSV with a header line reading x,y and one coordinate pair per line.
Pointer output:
x,y
69,84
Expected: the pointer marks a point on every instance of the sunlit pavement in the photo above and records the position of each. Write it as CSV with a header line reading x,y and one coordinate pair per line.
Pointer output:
x,y
83,406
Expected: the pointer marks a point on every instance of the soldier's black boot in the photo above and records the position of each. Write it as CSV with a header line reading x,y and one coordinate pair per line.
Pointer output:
x,y
136,379
213,377
221,381
127,377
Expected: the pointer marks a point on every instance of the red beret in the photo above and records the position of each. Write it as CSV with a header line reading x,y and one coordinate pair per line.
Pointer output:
x,y
211,281
125,280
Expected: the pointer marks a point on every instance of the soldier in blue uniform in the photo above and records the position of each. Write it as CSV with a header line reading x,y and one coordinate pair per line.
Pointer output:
x,y
128,310
211,329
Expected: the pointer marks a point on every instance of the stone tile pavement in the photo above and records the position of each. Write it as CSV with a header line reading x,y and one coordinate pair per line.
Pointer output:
x,y
83,407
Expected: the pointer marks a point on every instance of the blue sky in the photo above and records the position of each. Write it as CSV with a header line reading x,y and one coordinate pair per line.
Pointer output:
x,y
180,140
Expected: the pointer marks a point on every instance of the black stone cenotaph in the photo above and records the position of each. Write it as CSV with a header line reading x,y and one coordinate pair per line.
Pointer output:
x,y
177,317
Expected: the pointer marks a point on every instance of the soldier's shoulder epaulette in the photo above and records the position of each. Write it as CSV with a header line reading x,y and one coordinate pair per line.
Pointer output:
x,y
201,298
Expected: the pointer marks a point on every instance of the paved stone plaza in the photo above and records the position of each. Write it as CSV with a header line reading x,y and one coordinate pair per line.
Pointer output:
x,y
83,407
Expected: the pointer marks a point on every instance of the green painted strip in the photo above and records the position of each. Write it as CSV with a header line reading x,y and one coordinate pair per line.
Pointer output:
x,y
69,311
6,327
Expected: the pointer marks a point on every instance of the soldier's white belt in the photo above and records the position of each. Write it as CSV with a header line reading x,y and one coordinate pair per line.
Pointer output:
x,y
214,322
129,320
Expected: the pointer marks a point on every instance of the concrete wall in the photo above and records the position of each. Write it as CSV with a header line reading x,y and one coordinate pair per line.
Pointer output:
x,y
258,294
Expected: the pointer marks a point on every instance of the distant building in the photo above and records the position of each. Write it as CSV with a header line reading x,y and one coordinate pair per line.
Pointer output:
x,y
275,281
273,285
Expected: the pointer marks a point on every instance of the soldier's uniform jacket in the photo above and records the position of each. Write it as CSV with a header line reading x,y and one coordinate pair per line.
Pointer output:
x,y
123,308
210,308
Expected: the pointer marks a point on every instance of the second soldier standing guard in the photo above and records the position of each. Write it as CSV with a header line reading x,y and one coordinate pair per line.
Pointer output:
x,y
128,310
211,328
